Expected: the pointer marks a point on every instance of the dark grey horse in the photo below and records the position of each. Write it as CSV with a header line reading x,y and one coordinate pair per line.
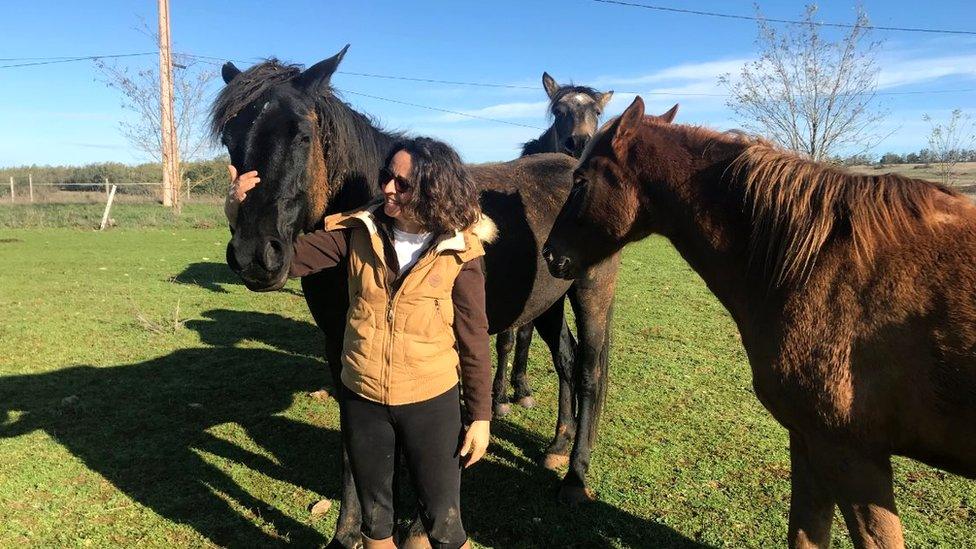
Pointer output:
x,y
575,112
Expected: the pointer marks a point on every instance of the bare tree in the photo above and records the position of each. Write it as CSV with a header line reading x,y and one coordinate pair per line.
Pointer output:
x,y
141,96
807,93
950,143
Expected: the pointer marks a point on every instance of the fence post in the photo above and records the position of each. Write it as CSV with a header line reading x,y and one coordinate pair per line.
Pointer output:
x,y
11,189
108,208
30,185
105,179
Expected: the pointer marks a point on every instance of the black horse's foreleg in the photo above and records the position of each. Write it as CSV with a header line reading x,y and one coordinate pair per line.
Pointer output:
x,y
593,304
555,332
330,316
504,342
520,379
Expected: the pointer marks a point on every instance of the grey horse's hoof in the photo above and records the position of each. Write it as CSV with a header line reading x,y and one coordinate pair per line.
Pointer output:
x,y
526,402
502,410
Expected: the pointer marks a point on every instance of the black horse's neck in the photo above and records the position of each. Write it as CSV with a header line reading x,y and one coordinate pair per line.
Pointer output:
x,y
354,152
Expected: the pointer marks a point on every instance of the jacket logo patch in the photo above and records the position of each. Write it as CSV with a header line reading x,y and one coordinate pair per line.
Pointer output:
x,y
435,280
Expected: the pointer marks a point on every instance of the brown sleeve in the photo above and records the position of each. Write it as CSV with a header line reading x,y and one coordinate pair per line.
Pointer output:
x,y
471,331
318,250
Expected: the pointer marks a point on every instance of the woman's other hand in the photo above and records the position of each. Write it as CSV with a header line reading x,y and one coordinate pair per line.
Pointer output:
x,y
241,185
475,442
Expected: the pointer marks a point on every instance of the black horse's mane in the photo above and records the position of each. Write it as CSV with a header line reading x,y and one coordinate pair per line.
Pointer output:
x,y
246,88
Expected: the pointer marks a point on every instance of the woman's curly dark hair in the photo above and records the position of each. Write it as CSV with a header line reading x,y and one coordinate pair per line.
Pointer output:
x,y
444,198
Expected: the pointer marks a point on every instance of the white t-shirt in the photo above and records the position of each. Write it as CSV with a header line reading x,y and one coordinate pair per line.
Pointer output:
x,y
408,247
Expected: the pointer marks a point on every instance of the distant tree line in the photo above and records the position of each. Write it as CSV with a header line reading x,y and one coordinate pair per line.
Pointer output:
x,y
924,156
202,177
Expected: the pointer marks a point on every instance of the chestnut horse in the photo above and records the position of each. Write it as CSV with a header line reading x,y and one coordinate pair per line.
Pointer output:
x,y
855,296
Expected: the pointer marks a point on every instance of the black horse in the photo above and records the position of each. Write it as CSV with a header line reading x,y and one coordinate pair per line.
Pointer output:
x,y
575,112
316,156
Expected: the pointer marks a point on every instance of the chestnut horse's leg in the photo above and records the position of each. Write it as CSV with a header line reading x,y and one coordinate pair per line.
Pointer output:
x,y
811,504
861,482
555,332
592,302
520,380
504,342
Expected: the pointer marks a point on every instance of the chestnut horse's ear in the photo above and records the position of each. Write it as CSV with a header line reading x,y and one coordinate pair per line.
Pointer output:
x,y
604,98
315,79
628,122
229,71
549,83
669,116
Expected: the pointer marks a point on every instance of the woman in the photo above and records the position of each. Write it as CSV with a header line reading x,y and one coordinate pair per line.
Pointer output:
x,y
416,319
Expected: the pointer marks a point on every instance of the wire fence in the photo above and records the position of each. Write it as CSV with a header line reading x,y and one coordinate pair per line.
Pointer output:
x,y
27,192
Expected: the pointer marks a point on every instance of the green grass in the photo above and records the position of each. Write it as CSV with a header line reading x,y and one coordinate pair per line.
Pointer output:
x,y
148,399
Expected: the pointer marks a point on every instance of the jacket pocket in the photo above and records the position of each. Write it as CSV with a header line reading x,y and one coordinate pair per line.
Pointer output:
x,y
445,311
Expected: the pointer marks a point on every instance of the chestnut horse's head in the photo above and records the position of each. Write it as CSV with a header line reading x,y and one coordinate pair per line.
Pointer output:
x,y
606,207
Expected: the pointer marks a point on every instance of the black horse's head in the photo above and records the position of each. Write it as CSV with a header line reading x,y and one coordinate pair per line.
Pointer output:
x,y
271,119
576,112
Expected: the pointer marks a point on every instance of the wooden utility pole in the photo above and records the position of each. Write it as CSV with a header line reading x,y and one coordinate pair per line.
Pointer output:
x,y
171,152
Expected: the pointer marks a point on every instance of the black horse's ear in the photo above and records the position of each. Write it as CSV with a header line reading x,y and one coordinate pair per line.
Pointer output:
x,y
549,83
315,79
229,71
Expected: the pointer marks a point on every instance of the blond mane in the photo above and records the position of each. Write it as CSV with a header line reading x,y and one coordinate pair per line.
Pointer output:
x,y
798,206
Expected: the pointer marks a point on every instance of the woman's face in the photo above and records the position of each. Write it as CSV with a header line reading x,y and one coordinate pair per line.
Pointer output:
x,y
396,186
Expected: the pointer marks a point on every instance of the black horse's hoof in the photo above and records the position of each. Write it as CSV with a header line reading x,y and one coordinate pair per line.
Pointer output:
x,y
502,410
527,402
575,495
346,542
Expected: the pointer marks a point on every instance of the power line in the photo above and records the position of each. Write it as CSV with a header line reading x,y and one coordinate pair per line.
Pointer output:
x,y
788,21
459,113
56,60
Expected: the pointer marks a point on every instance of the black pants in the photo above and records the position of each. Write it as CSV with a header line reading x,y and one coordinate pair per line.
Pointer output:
x,y
428,432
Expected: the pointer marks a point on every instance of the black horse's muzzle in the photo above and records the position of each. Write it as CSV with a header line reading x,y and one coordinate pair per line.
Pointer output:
x,y
262,266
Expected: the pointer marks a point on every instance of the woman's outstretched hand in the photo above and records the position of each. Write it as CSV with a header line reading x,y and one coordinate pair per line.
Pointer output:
x,y
239,187
475,442
242,184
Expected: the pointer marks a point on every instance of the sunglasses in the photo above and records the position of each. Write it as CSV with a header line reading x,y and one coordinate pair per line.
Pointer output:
x,y
401,184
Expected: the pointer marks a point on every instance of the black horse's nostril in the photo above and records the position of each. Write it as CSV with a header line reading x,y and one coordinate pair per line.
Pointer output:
x,y
561,263
271,254
232,258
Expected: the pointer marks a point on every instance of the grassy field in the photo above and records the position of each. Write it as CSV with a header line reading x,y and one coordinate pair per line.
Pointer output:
x,y
964,173
148,399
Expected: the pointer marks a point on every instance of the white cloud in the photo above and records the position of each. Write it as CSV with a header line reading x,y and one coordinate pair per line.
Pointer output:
x,y
502,111
704,71
902,72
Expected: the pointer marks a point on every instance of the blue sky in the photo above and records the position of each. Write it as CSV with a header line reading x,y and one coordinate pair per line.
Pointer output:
x,y
60,114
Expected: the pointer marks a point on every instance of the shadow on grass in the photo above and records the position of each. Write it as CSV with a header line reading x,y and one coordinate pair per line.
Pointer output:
x,y
211,275
144,426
